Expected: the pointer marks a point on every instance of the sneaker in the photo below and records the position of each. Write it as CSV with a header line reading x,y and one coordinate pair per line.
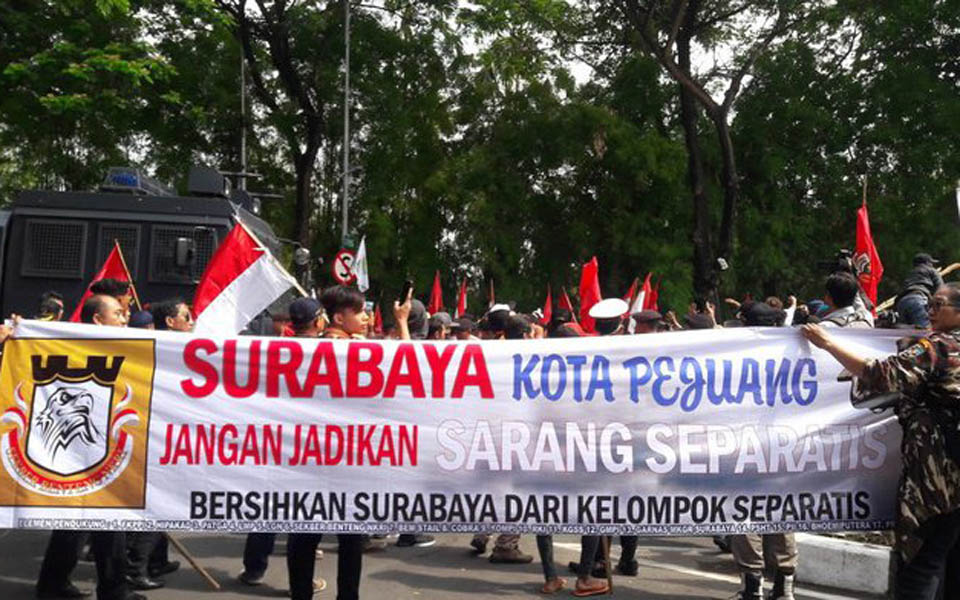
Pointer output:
x,y
250,578
752,587
782,587
510,556
419,540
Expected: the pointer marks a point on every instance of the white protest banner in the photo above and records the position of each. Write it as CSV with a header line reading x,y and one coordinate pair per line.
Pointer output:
x,y
676,433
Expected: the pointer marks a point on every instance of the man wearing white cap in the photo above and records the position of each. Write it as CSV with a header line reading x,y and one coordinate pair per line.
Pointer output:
x,y
608,320
608,315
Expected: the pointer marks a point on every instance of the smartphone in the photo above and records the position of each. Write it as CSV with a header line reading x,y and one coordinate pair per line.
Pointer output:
x,y
405,291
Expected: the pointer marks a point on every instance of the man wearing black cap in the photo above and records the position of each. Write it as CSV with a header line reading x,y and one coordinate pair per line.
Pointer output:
x,y
918,287
347,319
647,321
464,328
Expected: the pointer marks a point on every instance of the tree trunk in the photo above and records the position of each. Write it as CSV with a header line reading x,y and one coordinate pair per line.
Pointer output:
x,y
731,186
303,164
704,274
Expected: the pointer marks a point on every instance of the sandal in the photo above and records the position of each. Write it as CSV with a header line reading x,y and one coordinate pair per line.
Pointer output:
x,y
552,586
597,588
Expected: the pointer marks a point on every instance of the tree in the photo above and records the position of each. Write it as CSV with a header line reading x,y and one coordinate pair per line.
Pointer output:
x,y
78,89
669,32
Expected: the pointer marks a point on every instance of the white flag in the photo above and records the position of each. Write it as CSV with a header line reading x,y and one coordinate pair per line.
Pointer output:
x,y
360,266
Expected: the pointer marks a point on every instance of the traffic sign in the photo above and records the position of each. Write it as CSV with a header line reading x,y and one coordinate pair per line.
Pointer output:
x,y
343,267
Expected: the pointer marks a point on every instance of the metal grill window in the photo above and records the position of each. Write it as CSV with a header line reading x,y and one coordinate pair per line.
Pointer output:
x,y
163,250
55,248
129,238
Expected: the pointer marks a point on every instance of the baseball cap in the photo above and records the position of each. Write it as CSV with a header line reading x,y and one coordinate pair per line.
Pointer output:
x,y
463,324
922,258
304,310
645,316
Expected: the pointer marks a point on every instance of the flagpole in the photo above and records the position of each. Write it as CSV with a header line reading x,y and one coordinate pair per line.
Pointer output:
x,y
864,190
133,288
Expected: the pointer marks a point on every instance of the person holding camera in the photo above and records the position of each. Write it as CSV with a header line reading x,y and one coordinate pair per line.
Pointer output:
x,y
927,375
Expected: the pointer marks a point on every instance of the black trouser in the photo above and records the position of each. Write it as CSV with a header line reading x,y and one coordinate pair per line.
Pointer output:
x,y
257,551
628,548
160,555
63,551
589,548
143,551
921,577
302,558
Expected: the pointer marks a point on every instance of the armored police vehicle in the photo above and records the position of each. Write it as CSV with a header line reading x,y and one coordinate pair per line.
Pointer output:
x,y
59,240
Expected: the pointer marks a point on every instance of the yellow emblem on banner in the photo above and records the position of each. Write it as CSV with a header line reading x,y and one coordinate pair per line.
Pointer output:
x,y
74,418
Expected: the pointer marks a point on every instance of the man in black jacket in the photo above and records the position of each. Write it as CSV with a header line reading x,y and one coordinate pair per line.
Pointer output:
x,y
922,283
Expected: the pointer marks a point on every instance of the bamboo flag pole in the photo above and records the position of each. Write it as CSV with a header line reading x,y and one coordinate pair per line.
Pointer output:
x,y
123,261
193,562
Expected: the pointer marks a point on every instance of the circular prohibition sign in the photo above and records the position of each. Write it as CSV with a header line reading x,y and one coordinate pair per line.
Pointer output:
x,y
343,267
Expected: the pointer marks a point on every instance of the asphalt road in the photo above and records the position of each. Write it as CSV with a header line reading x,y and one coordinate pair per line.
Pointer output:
x,y
670,568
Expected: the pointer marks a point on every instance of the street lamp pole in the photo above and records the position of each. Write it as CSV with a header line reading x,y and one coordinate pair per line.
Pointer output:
x,y
345,204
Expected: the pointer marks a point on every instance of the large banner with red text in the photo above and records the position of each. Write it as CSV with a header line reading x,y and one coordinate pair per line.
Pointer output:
x,y
687,433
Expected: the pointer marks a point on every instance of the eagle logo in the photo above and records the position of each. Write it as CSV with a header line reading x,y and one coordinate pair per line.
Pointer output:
x,y
68,425
73,420
66,419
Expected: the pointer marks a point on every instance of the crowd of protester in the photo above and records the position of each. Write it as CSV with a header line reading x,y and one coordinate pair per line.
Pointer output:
x,y
928,524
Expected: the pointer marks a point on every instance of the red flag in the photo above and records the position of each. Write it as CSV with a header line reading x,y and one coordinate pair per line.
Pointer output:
x,y
647,291
631,293
462,300
436,296
377,320
866,259
113,268
547,307
589,292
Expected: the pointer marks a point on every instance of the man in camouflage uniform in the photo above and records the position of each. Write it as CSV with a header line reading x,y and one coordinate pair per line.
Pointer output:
x,y
927,374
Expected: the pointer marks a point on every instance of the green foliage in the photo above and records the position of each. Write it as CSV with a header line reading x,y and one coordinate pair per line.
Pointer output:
x,y
482,151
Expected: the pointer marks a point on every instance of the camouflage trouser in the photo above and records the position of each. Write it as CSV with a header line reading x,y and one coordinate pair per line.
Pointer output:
x,y
505,541
749,549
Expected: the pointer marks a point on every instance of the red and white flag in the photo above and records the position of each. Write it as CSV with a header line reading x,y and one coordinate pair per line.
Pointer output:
x,y
866,258
646,293
462,300
241,280
113,268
